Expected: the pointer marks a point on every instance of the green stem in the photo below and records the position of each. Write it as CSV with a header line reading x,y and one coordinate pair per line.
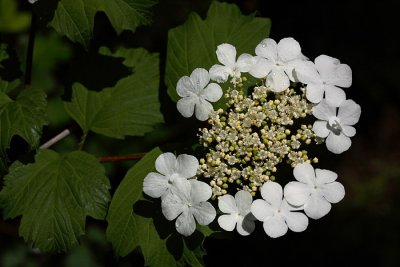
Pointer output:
x,y
29,54
82,142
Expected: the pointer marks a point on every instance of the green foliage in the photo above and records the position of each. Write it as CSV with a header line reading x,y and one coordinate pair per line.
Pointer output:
x,y
75,18
54,195
128,230
193,44
24,117
131,107
10,19
5,86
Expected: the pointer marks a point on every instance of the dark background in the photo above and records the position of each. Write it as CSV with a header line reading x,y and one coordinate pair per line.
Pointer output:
x,y
362,228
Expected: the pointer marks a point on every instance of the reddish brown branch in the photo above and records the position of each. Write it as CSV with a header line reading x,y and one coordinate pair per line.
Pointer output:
x,y
121,158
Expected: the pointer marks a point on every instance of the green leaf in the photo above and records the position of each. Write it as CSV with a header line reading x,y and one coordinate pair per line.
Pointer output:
x,y
75,18
6,86
193,44
54,195
127,230
10,19
24,117
131,107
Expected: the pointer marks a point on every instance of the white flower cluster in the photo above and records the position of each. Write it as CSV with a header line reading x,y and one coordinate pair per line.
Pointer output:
x,y
249,141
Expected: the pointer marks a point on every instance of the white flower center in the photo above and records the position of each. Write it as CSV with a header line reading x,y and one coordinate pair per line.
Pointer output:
x,y
334,125
172,177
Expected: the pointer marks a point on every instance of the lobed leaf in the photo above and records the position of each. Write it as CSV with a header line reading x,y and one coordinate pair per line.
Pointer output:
x,y
131,107
75,18
193,44
54,195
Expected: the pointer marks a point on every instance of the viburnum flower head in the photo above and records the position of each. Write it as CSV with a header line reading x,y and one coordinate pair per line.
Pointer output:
x,y
189,202
314,190
325,77
276,62
170,169
276,213
336,128
226,54
238,213
197,93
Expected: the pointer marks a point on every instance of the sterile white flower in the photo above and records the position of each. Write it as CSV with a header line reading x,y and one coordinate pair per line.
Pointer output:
x,y
315,191
226,54
196,92
170,169
276,213
239,213
337,129
276,62
324,77
189,202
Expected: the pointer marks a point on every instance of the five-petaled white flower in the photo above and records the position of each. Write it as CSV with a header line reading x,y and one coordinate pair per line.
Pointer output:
x,y
239,213
170,169
189,202
337,128
315,191
196,95
276,213
226,54
324,77
276,62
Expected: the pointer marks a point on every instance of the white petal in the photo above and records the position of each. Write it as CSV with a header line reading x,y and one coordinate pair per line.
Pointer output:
x,y
261,209
325,176
275,226
227,222
349,112
166,163
323,111
181,187
314,92
267,49
185,224
342,76
155,185
227,204
226,54
307,73
200,78
186,165
277,80
334,96
290,69
333,192
297,193
244,62
349,131
212,92
203,109
326,65
243,201
204,213
333,72
288,49
220,73
296,221
338,143
320,129
185,87
261,67
272,192
245,226
172,206
186,106
200,191
317,207
304,172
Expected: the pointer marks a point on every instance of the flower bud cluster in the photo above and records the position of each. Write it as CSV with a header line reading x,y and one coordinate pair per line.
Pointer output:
x,y
257,132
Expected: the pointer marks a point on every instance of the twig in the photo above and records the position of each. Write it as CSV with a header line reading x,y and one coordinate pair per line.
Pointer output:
x,y
55,139
29,54
121,158
83,140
